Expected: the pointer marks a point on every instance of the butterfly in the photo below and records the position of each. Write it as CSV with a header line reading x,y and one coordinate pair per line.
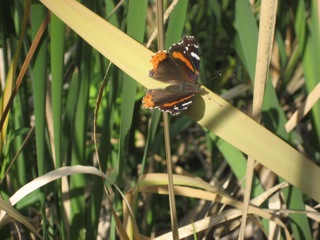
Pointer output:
x,y
179,66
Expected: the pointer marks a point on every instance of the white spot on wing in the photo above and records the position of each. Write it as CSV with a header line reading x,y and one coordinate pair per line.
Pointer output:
x,y
186,104
193,54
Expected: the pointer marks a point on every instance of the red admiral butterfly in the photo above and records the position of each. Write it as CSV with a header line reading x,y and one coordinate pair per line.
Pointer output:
x,y
178,66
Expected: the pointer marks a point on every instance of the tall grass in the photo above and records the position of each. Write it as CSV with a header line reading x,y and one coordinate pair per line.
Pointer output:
x,y
58,186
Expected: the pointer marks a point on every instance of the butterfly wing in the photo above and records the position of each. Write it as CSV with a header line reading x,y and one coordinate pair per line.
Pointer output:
x,y
186,58
179,64
168,101
164,68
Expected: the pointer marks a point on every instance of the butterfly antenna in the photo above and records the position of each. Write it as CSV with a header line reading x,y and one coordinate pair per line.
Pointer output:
x,y
210,79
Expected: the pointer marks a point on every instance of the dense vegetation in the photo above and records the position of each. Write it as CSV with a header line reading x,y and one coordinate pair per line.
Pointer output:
x,y
76,142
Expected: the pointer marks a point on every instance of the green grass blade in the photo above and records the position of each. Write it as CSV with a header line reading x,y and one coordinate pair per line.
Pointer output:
x,y
310,61
176,23
39,72
78,182
248,35
57,62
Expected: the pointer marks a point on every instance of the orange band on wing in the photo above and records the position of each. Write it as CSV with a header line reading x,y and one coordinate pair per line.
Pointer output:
x,y
180,56
170,104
